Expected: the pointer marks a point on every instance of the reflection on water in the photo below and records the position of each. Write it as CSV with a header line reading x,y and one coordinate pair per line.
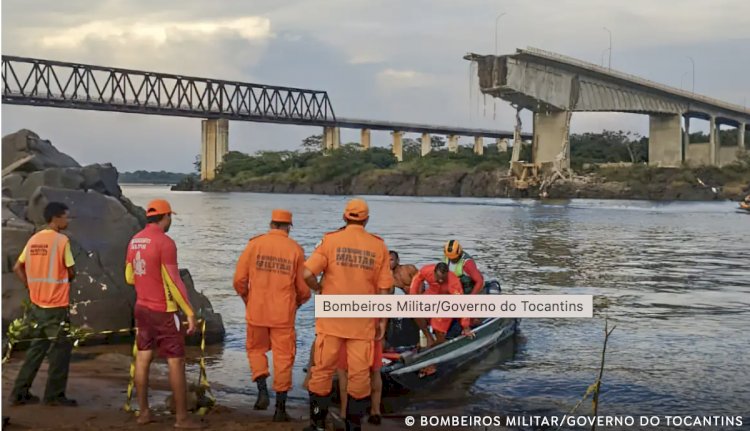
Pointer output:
x,y
673,277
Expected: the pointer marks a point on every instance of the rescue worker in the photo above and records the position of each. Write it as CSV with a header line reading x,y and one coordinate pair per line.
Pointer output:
x,y
151,265
463,265
402,274
440,281
354,262
46,268
270,280
376,381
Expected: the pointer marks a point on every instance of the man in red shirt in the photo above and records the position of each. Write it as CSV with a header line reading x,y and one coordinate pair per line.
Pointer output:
x,y
439,281
151,266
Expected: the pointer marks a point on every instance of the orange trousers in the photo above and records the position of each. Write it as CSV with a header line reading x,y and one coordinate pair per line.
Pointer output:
x,y
282,343
326,358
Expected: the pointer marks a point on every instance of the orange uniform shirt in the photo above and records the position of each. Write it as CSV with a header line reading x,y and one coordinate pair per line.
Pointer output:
x,y
270,274
452,286
427,274
46,260
354,262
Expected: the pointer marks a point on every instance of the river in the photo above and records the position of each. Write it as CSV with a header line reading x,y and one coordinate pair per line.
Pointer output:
x,y
673,277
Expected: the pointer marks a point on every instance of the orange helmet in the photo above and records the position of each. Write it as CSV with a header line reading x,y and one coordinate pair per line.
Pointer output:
x,y
452,249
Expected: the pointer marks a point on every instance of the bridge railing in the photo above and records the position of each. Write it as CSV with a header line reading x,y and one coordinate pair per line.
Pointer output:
x,y
29,81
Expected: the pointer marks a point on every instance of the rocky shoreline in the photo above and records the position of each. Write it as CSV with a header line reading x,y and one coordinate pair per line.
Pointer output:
x,y
493,183
102,222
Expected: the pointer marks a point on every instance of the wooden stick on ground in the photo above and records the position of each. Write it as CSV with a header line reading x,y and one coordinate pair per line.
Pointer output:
x,y
595,401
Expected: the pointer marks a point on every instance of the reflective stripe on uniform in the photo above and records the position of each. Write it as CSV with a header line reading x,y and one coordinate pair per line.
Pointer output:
x,y
52,255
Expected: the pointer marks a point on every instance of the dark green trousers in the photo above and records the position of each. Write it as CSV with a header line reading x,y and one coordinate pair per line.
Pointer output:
x,y
57,351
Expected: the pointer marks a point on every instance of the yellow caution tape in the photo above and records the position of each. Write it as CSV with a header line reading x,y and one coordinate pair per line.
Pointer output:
x,y
203,377
205,387
19,326
131,383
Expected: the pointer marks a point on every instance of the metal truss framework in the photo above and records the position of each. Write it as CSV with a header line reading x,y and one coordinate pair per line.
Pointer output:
x,y
35,82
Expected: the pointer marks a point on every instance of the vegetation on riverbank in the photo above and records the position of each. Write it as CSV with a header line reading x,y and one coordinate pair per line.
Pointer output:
x,y
349,169
152,177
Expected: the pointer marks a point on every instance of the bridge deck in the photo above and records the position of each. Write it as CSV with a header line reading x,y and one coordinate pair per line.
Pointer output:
x,y
37,82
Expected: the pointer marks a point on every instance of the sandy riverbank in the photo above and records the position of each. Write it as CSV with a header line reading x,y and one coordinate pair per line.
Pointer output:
x,y
98,381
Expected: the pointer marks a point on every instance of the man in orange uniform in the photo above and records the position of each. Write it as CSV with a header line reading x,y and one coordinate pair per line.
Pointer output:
x,y
270,279
354,262
440,281
376,380
151,265
45,267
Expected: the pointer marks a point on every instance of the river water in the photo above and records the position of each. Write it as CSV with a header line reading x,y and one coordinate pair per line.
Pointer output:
x,y
674,278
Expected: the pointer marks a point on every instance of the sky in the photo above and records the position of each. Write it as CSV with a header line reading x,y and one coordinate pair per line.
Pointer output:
x,y
380,60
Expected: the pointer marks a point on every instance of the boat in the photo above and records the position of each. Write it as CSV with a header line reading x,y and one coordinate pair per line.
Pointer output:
x,y
408,368
745,205
414,369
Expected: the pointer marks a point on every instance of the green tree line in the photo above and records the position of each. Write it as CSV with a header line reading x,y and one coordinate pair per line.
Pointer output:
x,y
312,163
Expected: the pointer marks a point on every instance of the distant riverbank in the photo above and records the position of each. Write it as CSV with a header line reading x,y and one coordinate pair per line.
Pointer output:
x,y
490,179
152,177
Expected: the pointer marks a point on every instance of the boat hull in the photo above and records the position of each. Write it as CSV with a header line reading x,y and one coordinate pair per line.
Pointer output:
x,y
434,365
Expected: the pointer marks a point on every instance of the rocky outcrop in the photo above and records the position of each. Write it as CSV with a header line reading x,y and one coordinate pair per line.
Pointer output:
x,y
102,222
25,143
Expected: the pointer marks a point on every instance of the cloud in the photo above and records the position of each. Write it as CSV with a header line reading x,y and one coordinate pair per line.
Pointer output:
x,y
404,78
249,28
385,60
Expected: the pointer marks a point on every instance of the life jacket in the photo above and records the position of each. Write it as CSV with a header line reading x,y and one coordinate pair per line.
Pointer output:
x,y
458,269
45,269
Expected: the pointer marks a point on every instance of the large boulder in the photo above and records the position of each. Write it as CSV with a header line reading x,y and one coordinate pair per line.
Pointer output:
x,y
101,178
23,143
203,308
65,178
14,295
12,184
102,221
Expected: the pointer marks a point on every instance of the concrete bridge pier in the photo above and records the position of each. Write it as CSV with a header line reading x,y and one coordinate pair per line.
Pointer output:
x,y
728,154
398,147
453,143
665,140
713,142
478,145
365,139
426,144
214,146
686,140
502,145
551,131
331,138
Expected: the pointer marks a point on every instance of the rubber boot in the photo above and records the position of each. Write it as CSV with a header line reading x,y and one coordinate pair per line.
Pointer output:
x,y
318,412
263,398
356,409
280,415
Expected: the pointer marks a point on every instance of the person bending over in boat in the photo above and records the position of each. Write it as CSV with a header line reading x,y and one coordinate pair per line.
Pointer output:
x,y
440,281
463,265
402,274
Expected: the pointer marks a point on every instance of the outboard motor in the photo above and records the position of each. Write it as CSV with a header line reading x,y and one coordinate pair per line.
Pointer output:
x,y
492,287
